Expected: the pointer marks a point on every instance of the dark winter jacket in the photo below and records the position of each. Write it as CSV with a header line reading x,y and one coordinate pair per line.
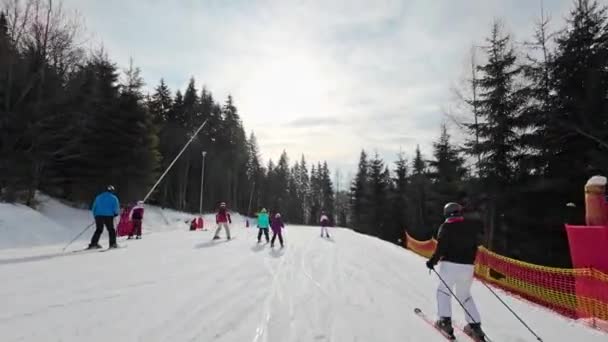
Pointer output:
x,y
106,204
276,224
324,221
458,240
137,213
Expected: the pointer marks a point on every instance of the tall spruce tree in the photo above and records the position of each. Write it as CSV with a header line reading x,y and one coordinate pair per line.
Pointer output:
x,y
359,199
447,175
399,197
418,197
378,199
500,104
577,133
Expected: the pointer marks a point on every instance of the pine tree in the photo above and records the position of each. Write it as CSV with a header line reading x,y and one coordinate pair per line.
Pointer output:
x,y
255,173
160,103
327,192
537,114
139,129
419,225
500,105
577,133
304,190
103,135
281,174
359,199
378,199
400,206
447,176
187,117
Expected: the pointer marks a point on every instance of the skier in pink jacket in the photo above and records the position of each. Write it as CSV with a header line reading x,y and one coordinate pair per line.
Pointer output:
x,y
136,216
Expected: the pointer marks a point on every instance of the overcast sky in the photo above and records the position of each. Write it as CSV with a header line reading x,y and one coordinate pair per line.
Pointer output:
x,y
321,78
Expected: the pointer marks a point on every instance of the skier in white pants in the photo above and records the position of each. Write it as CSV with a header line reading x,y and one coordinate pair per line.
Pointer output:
x,y
456,250
223,220
324,224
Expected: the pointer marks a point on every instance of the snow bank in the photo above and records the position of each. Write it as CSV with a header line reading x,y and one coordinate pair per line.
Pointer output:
x,y
56,223
21,226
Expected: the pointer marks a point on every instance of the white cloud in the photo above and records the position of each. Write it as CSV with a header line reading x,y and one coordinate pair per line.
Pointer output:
x,y
376,74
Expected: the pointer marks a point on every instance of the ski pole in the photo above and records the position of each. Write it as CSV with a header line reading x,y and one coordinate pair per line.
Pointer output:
x,y
453,295
513,312
77,236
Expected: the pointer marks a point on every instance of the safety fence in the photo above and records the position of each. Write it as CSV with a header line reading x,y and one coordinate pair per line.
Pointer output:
x,y
580,293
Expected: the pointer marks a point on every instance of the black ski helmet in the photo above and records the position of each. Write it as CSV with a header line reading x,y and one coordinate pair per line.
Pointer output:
x,y
452,209
111,188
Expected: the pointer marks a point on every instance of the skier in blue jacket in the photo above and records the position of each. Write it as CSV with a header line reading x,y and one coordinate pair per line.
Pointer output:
x,y
105,208
263,224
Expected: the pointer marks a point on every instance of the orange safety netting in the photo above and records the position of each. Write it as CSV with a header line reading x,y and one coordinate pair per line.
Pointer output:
x,y
580,293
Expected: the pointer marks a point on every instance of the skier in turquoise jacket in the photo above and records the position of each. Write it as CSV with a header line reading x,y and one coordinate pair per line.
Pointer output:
x,y
263,224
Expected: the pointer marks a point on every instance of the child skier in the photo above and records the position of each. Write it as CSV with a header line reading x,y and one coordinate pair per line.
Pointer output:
x,y
223,220
456,249
263,224
277,225
136,217
324,224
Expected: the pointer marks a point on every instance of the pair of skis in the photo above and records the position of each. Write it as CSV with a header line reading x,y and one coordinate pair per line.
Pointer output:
x,y
88,250
430,322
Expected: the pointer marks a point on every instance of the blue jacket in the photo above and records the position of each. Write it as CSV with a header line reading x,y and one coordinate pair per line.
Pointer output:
x,y
106,204
263,220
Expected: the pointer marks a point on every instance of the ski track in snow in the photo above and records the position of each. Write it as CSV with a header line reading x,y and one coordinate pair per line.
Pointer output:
x,y
181,286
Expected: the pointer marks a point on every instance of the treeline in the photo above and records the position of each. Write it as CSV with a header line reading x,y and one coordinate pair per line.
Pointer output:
x,y
386,201
537,128
71,122
300,194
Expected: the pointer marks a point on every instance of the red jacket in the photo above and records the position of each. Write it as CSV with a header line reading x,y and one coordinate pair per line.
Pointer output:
x,y
223,217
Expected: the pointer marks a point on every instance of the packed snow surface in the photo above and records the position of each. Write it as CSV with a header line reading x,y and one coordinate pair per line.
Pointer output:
x,y
177,285
180,286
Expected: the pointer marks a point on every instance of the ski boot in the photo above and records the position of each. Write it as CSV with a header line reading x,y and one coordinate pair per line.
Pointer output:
x,y
138,237
216,238
95,246
130,237
474,330
445,325
114,245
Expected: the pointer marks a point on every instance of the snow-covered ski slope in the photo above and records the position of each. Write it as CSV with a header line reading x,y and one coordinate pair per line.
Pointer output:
x,y
180,286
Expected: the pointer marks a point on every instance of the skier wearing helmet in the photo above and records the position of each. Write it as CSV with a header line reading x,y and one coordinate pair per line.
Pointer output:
x,y
277,225
456,250
136,216
222,218
105,208
324,221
